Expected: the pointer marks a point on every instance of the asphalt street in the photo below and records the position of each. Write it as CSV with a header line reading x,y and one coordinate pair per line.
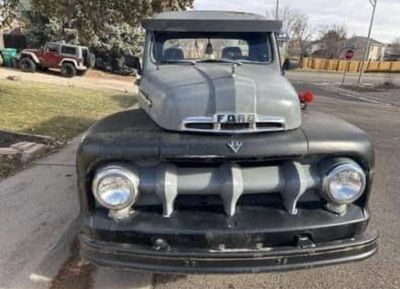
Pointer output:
x,y
382,122
37,204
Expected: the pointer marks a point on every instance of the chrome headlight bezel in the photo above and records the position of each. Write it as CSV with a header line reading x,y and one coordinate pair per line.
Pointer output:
x,y
116,171
334,171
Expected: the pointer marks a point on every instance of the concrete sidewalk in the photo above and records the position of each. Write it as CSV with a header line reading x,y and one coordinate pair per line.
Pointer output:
x,y
37,210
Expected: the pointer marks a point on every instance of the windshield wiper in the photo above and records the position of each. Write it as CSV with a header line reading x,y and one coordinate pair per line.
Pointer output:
x,y
182,61
223,60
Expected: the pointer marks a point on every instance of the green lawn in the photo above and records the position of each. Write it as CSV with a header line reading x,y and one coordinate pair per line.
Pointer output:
x,y
58,111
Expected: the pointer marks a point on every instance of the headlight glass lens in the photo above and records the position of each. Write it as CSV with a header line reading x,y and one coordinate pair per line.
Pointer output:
x,y
115,187
345,183
114,191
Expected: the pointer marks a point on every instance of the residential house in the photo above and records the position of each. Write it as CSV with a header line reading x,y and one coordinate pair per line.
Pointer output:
x,y
357,43
376,49
392,53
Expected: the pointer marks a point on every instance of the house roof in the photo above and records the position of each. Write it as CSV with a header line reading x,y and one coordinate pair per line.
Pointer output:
x,y
211,21
365,39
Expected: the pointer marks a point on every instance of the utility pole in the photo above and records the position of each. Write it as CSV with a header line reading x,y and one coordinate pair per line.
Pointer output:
x,y
277,10
367,48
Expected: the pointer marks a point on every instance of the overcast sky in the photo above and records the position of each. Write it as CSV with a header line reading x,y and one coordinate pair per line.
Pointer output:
x,y
354,14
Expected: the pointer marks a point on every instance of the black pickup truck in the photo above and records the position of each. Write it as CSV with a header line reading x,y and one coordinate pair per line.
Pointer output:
x,y
222,168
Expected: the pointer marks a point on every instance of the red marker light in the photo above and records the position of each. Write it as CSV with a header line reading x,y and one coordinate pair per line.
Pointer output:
x,y
306,96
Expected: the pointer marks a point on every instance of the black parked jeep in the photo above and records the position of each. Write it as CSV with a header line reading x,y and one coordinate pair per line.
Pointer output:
x,y
221,169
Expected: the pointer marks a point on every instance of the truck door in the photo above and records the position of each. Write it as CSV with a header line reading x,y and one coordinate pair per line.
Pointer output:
x,y
51,55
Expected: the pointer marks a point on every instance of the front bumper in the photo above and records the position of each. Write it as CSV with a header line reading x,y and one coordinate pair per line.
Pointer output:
x,y
239,261
254,240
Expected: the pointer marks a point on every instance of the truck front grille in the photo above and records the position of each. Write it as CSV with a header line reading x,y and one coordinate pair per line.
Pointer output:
x,y
229,181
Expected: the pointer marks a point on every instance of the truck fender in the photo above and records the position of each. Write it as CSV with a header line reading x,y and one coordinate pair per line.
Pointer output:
x,y
68,60
31,55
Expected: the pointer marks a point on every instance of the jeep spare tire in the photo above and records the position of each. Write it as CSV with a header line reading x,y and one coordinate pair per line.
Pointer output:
x,y
27,65
90,60
68,70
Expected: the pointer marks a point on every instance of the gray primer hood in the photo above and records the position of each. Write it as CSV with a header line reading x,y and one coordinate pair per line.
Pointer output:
x,y
178,92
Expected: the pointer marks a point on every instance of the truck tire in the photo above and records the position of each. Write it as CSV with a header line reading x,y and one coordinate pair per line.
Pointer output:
x,y
68,70
14,62
27,65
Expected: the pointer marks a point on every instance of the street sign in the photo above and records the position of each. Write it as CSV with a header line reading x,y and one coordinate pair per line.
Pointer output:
x,y
349,54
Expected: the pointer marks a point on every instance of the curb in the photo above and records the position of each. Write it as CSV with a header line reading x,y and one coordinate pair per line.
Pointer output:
x,y
358,96
55,257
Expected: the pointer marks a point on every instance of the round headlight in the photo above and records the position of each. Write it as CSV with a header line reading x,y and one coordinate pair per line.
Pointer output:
x,y
115,187
344,183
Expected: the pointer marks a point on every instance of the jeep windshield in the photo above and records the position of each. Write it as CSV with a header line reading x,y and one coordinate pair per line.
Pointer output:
x,y
191,48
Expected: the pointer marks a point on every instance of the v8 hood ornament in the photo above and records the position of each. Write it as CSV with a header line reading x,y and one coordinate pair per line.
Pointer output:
x,y
235,145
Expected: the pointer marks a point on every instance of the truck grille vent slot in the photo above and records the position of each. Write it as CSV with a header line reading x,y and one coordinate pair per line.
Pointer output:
x,y
271,125
201,126
235,126
209,124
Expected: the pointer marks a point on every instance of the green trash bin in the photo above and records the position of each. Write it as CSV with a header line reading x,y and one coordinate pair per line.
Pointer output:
x,y
8,55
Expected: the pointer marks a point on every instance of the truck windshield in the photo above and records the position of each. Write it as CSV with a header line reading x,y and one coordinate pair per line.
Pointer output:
x,y
189,47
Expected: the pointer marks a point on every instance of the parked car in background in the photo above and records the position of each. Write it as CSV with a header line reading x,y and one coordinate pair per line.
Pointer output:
x,y
117,62
70,59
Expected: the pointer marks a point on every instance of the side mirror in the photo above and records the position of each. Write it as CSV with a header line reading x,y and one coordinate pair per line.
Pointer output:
x,y
290,64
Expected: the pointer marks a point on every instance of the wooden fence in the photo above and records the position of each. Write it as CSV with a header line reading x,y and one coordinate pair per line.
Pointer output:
x,y
350,66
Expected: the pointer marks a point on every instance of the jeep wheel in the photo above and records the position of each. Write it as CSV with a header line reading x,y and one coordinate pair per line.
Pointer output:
x,y
68,70
90,60
27,65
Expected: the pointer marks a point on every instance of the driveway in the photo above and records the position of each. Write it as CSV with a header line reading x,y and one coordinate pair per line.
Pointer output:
x,y
93,79
38,205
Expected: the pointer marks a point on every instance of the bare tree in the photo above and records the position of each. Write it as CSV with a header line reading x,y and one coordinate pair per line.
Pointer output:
x,y
331,41
302,34
288,17
297,27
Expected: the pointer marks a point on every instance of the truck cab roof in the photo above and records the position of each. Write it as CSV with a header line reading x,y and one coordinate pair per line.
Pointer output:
x,y
211,21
